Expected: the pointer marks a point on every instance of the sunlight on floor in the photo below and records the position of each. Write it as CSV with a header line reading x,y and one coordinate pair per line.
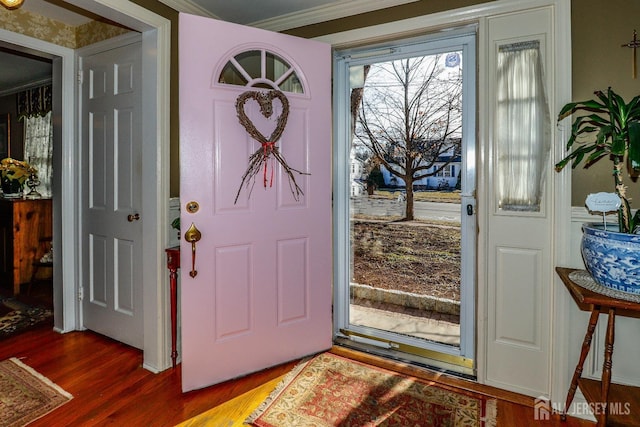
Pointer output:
x,y
235,411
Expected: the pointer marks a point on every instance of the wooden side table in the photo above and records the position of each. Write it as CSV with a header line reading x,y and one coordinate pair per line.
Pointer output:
x,y
173,264
23,222
603,391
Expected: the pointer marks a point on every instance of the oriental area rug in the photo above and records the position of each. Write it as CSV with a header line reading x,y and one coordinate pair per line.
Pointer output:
x,y
16,316
25,395
332,391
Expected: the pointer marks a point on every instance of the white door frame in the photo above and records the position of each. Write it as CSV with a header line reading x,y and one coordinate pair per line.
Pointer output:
x,y
478,14
65,216
156,42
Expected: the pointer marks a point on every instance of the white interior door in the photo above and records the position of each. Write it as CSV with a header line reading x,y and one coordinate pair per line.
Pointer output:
x,y
262,292
111,146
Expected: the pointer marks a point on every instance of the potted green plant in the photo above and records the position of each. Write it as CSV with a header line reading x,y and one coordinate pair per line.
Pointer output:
x,y
610,129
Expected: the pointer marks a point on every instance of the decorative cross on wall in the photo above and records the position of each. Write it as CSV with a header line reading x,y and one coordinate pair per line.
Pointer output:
x,y
633,44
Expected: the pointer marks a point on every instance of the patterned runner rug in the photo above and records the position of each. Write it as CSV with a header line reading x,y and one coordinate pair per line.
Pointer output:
x,y
25,395
16,316
330,390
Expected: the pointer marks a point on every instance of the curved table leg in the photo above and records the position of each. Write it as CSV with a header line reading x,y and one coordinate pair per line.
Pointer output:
x,y
586,345
606,366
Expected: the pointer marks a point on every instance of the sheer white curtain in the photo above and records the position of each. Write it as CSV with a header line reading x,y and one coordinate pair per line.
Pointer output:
x,y
523,127
38,149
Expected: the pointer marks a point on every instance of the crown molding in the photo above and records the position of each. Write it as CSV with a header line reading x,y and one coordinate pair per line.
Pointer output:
x,y
26,86
187,6
338,9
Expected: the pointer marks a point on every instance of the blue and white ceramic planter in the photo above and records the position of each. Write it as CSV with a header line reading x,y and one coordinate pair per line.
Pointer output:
x,y
612,258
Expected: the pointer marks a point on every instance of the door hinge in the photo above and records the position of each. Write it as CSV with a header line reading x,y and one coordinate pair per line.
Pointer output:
x,y
80,77
80,294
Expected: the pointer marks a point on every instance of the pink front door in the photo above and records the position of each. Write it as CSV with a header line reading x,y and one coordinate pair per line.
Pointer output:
x,y
262,292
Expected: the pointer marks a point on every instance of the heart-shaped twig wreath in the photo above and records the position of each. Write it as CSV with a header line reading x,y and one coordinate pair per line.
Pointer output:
x,y
259,160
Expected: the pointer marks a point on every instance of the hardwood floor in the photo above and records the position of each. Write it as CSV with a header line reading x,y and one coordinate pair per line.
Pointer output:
x,y
110,387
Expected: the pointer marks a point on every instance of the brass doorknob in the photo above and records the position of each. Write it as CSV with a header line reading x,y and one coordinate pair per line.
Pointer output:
x,y
192,236
132,218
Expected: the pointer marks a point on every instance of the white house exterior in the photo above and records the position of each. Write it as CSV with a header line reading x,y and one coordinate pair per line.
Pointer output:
x,y
357,176
446,179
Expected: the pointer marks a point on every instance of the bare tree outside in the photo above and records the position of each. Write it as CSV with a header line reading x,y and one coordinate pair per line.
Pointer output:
x,y
409,116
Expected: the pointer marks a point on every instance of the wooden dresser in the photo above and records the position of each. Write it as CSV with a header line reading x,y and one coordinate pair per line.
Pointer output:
x,y
23,223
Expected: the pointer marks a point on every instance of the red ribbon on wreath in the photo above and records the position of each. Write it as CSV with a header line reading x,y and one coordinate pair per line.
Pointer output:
x,y
268,148
258,161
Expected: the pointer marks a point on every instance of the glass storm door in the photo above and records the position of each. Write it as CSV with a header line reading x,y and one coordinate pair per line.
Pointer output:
x,y
404,216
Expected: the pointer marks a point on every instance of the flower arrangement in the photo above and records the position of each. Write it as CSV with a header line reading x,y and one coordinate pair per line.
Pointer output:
x,y
14,173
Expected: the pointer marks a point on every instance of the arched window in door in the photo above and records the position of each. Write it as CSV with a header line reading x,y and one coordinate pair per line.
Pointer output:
x,y
261,68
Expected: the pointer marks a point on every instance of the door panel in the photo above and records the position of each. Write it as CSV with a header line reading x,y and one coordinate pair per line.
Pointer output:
x,y
112,300
519,271
262,292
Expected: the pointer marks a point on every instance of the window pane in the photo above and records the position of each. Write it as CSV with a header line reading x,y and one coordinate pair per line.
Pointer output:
x,y
276,67
230,75
406,134
292,84
251,61
523,127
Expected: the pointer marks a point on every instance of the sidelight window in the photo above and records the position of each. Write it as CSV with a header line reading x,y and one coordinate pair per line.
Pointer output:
x,y
523,127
